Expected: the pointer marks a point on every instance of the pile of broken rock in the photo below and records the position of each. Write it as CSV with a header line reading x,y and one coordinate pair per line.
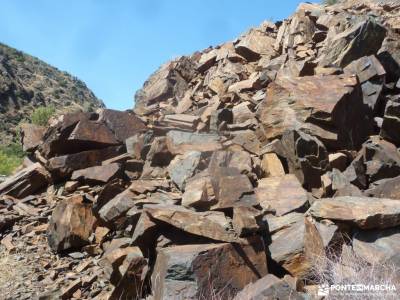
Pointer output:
x,y
239,165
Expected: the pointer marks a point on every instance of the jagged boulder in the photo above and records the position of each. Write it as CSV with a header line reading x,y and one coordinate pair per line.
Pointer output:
x,y
306,156
118,206
78,132
74,133
63,166
377,159
71,224
187,271
269,287
199,192
287,249
281,194
170,81
379,247
389,56
212,225
371,75
328,107
363,212
385,188
183,167
231,188
99,174
362,39
31,136
255,44
298,243
123,124
297,31
179,142
26,182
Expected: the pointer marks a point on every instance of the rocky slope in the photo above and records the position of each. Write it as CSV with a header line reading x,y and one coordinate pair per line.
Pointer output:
x,y
241,167
27,82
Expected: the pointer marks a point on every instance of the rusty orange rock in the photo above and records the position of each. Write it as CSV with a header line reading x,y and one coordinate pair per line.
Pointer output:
x,y
71,224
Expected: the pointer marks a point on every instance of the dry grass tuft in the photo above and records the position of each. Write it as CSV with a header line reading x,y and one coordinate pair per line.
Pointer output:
x,y
213,293
347,268
11,271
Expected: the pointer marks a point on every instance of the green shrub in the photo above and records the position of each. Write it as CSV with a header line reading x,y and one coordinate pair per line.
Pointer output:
x,y
20,59
41,115
63,82
11,156
330,2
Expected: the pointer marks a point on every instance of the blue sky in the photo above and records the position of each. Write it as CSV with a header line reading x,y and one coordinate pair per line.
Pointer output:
x,y
115,45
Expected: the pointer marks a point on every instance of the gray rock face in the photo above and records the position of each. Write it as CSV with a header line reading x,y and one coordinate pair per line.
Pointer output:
x,y
385,188
287,249
378,246
138,145
179,142
157,159
276,223
381,159
281,194
184,167
118,206
269,287
341,185
231,188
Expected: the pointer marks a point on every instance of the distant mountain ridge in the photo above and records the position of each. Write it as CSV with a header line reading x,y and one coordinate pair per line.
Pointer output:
x,y
27,82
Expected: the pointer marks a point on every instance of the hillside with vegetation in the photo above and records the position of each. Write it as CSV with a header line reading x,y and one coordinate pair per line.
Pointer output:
x,y
27,82
31,91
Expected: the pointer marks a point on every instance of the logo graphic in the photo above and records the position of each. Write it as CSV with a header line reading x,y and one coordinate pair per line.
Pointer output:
x,y
323,290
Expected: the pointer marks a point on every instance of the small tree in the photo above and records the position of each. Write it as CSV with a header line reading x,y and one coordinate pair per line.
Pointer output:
x,y
41,115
